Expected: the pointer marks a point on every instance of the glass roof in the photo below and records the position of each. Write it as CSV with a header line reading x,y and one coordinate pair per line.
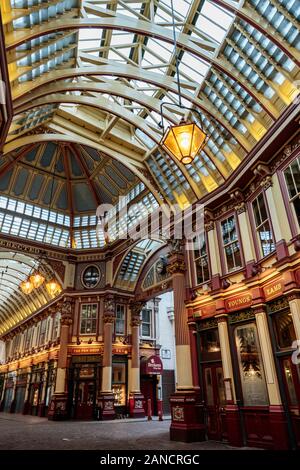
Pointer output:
x,y
14,305
96,72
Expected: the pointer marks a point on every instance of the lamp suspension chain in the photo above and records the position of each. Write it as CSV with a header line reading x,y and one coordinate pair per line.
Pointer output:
x,y
176,55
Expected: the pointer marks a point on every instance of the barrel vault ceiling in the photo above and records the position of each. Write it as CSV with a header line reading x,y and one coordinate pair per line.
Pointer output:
x,y
86,81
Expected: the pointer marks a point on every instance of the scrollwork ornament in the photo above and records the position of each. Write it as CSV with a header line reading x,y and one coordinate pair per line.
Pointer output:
x,y
109,306
66,313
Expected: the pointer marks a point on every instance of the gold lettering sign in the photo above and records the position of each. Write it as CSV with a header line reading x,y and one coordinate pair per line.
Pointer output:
x,y
273,289
237,303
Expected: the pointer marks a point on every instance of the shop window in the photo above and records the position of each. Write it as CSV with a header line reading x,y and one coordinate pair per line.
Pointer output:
x,y
231,244
146,323
120,319
201,259
119,383
210,345
262,226
250,365
292,179
284,329
88,319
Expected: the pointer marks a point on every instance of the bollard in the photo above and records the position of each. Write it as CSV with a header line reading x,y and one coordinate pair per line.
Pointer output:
x,y
149,409
160,410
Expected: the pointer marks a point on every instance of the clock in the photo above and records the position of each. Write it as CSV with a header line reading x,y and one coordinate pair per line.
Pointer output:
x,y
91,276
161,266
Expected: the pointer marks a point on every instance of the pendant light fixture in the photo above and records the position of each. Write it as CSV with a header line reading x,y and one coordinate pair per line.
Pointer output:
x,y
185,140
36,277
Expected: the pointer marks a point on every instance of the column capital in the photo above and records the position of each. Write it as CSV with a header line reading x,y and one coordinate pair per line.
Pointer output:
x,y
222,318
293,295
210,225
176,265
266,182
240,208
259,308
136,307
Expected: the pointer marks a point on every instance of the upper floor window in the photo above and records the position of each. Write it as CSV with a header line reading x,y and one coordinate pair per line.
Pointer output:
x,y
43,328
120,319
292,178
146,322
88,319
231,244
262,225
201,259
56,326
28,338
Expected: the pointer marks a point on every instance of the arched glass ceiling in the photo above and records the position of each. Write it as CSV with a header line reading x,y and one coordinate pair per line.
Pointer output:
x,y
101,69
14,305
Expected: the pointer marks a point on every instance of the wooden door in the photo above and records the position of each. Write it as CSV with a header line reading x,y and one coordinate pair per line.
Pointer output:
x,y
215,401
85,402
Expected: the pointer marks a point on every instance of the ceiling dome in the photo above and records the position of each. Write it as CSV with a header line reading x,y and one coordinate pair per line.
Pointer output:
x,y
70,178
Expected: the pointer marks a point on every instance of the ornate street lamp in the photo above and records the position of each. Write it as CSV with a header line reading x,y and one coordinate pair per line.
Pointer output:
x,y
184,140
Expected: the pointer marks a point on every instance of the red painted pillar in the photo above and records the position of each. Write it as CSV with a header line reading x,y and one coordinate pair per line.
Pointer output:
x,y
186,425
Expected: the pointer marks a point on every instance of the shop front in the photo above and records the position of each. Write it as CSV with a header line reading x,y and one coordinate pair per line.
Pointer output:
x,y
10,383
283,336
84,386
213,388
151,371
37,379
119,384
50,385
20,394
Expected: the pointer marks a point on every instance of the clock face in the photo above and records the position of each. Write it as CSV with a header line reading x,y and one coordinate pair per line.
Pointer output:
x,y
91,277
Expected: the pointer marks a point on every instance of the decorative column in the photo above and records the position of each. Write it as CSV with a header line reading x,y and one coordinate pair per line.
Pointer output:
x,y
278,421
58,406
107,397
279,220
233,421
294,303
41,407
214,255
185,425
246,239
136,408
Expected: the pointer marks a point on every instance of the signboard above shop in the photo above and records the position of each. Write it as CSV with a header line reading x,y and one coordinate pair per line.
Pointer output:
x,y
151,365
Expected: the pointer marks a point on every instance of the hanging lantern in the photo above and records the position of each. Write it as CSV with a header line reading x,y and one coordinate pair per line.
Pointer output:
x,y
53,287
37,279
184,141
26,287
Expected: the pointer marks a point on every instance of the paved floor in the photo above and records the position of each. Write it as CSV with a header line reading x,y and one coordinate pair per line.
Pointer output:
x,y
18,432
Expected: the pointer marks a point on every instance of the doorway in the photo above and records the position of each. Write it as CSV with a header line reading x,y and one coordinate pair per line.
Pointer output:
x,y
291,379
215,400
85,400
